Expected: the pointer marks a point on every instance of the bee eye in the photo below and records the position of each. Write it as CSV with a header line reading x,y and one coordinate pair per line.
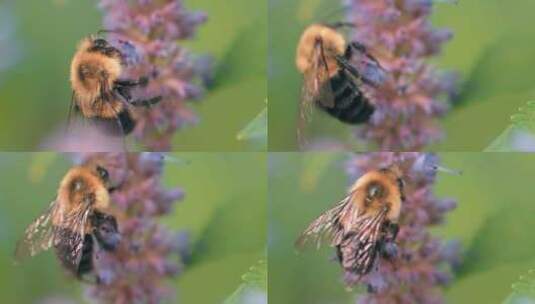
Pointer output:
x,y
103,173
401,182
100,42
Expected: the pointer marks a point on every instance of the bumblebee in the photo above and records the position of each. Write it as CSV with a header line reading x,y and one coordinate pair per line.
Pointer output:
x,y
99,92
331,80
364,223
77,223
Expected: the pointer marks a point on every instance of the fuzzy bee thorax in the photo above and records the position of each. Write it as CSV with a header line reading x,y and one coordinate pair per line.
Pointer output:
x,y
81,186
333,43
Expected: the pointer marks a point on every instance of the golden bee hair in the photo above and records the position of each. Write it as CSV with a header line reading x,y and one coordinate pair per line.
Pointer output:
x,y
86,72
391,194
333,42
79,182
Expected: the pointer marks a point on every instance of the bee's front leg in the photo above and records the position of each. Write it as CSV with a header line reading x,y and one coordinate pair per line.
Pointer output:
x,y
393,229
146,102
142,81
388,250
387,245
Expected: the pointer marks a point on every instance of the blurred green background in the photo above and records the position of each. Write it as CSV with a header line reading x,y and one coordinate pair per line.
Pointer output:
x,y
494,221
224,211
35,94
492,49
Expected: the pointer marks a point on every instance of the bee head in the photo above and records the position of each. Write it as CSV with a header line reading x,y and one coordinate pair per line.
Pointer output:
x,y
380,190
394,172
100,43
103,174
332,42
102,46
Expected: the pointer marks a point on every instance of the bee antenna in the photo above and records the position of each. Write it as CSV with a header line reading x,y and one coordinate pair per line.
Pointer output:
x,y
455,2
101,31
341,24
176,160
447,170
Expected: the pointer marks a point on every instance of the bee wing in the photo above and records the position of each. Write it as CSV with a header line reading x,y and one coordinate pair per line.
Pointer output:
x,y
42,234
316,87
39,235
72,109
322,73
70,236
327,225
358,247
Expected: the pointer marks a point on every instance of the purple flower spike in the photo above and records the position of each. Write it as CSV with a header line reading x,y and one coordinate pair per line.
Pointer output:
x,y
423,263
149,253
400,36
148,32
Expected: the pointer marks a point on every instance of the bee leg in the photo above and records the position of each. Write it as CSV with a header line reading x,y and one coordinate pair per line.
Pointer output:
x,y
146,102
339,254
359,47
124,92
393,229
342,62
388,250
341,24
122,87
142,81
362,48
387,246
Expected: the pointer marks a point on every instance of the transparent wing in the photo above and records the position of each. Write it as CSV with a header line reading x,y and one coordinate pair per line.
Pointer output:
x,y
327,226
325,95
72,109
42,234
39,235
316,88
70,236
358,247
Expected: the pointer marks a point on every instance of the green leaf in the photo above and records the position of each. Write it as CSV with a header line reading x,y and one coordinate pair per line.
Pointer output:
x,y
491,75
523,290
254,286
247,232
256,130
508,224
520,135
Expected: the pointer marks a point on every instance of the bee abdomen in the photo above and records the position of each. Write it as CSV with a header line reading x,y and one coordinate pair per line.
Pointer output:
x,y
350,104
65,248
86,260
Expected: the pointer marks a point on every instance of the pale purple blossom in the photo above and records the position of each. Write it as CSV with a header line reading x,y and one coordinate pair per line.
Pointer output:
x,y
400,36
